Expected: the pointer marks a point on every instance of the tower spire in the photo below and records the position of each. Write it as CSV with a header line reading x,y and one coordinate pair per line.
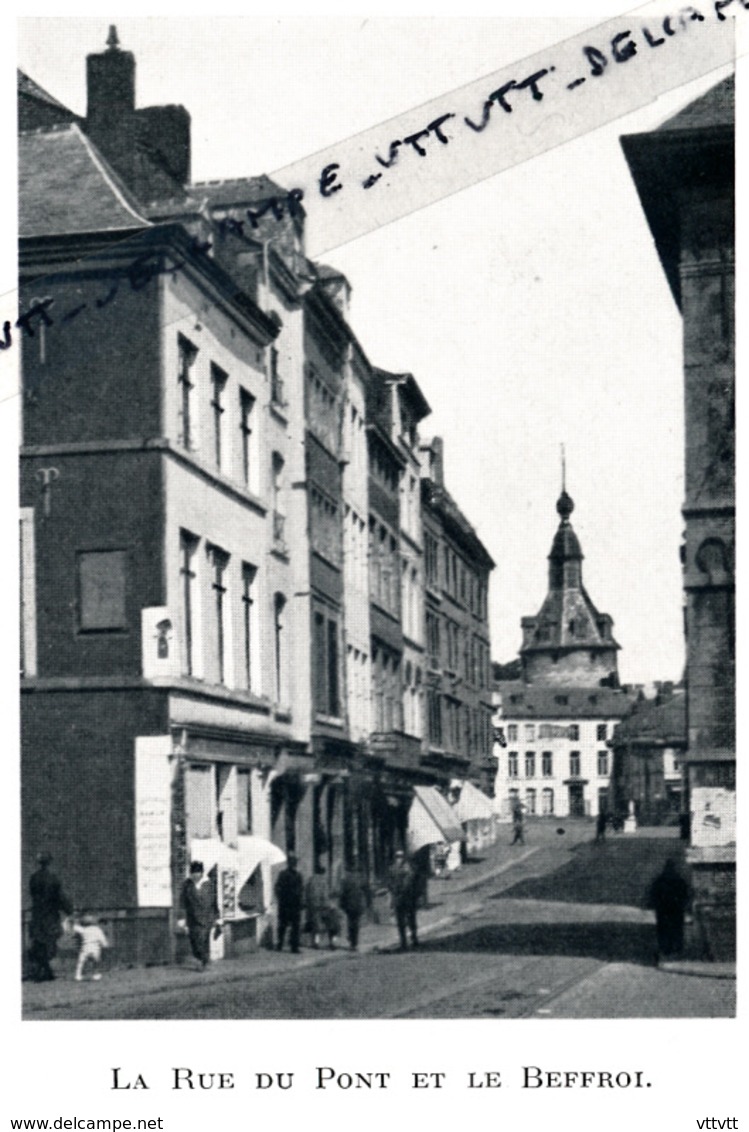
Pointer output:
x,y
565,505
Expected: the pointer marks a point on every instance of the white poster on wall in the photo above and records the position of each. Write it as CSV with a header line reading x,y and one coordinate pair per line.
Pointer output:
x,y
152,805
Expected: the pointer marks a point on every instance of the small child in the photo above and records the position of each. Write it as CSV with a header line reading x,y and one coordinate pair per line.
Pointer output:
x,y
92,940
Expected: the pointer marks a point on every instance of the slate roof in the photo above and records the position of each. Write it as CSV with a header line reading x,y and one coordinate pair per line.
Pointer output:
x,y
66,186
31,89
521,700
236,191
655,724
568,619
439,498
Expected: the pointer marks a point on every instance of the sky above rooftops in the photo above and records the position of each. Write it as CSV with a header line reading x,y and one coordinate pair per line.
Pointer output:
x,y
531,309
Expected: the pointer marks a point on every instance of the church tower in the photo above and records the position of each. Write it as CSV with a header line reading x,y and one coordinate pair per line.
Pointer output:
x,y
568,643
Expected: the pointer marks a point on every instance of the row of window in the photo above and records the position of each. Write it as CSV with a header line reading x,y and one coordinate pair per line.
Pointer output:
x,y
384,572
325,529
547,800
225,433
547,764
217,598
457,726
451,574
451,646
551,731
323,413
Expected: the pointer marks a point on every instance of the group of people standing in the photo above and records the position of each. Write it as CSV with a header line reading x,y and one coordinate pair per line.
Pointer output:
x,y
322,912
305,906
311,906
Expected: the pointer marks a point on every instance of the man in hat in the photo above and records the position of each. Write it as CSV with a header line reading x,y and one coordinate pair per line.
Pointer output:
x,y
403,893
48,903
290,897
201,912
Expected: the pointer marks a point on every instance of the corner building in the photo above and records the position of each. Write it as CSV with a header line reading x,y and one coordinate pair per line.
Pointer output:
x,y
222,582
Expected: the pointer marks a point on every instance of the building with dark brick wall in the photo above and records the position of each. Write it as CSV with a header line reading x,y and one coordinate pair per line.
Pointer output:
x,y
222,585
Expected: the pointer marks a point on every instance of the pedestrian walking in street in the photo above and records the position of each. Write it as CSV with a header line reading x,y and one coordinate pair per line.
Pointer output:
x,y
48,904
354,899
315,904
402,885
290,898
201,912
601,821
669,898
91,942
518,833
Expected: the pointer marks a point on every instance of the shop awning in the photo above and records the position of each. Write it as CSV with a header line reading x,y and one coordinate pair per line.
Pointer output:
x,y
211,851
472,804
253,851
431,819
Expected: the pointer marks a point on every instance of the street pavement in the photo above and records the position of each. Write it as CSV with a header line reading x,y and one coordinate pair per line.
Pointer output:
x,y
551,929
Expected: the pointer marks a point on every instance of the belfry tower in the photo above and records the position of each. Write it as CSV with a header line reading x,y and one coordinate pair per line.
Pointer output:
x,y
568,643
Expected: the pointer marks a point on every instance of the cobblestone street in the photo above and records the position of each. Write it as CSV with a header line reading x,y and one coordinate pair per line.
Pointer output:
x,y
553,928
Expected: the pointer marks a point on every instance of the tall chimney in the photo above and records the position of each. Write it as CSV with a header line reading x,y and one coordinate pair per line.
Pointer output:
x,y
110,111
438,460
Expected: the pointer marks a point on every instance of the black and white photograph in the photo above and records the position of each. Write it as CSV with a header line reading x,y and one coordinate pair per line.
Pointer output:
x,y
372,377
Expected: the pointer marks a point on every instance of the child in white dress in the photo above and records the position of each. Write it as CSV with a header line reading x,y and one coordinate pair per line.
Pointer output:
x,y
92,941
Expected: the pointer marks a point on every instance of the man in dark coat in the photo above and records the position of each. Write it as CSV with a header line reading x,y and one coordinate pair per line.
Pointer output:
x,y
353,899
201,912
517,826
402,885
669,898
290,897
48,903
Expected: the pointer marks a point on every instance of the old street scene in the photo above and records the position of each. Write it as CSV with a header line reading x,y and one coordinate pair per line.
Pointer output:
x,y
342,694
